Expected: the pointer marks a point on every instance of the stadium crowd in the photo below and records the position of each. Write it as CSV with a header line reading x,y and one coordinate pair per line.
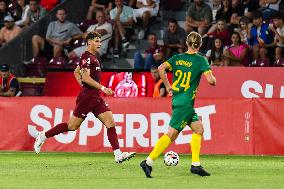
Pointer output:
x,y
257,25
235,33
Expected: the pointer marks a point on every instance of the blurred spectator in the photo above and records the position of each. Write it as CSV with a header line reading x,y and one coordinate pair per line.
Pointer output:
x,y
9,31
102,27
215,53
226,11
159,88
243,29
215,5
199,17
244,8
237,53
172,5
145,10
260,37
122,16
35,12
153,56
105,5
48,4
59,35
21,12
3,12
174,38
220,31
278,30
235,3
9,85
269,7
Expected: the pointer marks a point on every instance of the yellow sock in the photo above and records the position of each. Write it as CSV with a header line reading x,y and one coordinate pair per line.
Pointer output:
x,y
195,147
160,146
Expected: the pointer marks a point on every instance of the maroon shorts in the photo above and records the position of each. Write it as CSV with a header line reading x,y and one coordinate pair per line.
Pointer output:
x,y
86,105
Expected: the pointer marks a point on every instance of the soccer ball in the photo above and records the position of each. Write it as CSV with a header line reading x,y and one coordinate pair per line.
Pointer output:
x,y
171,158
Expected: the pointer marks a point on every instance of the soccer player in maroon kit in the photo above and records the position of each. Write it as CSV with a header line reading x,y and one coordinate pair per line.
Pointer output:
x,y
88,75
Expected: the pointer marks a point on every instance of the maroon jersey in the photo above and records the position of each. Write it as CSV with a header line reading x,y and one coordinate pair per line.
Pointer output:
x,y
89,99
90,61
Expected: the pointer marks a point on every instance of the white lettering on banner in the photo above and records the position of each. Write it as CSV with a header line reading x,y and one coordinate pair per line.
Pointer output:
x,y
138,133
87,131
184,138
268,91
136,126
63,138
256,86
204,112
247,85
282,92
37,120
156,129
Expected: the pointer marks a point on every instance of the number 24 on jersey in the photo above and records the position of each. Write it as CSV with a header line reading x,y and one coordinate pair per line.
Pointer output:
x,y
183,80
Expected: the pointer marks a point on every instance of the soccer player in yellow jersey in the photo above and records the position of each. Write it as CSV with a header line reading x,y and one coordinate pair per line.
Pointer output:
x,y
187,70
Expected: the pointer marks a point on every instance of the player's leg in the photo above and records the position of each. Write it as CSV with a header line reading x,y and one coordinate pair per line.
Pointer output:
x,y
177,124
72,125
103,113
82,108
197,128
159,148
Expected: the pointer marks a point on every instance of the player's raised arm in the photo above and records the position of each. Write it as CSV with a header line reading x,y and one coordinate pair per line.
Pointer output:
x,y
163,75
210,77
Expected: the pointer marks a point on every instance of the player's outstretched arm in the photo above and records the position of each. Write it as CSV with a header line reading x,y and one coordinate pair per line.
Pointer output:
x,y
210,78
88,80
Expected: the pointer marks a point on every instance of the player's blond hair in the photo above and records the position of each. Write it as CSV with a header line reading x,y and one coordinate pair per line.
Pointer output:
x,y
194,40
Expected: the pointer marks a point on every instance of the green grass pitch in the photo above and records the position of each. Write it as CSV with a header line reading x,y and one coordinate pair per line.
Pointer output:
x,y
26,170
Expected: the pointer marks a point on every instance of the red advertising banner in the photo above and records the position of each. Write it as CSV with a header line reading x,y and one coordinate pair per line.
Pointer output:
x,y
232,126
232,82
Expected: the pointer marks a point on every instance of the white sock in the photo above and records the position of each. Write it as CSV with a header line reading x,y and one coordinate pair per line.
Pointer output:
x,y
195,163
149,161
117,152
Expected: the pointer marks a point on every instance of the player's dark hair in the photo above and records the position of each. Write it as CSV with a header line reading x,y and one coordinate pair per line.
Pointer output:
x,y
194,40
92,35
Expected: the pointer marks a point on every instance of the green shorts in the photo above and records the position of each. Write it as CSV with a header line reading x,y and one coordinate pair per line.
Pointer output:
x,y
182,116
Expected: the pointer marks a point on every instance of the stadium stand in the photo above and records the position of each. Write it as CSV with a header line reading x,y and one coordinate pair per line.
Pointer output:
x,y
22,63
